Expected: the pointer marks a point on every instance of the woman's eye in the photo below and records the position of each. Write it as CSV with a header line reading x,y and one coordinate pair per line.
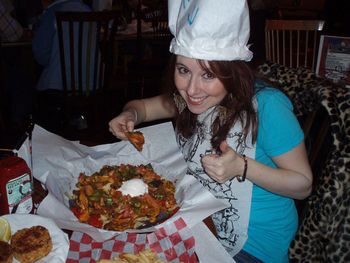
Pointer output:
x,y
208,75
182,70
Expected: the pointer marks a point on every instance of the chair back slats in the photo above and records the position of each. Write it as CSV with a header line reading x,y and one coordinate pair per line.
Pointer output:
x,y
283,45
107,44
85,44
305,48
71,57
292,43
298,48
98,69
62,57
80,56
290,48
96,64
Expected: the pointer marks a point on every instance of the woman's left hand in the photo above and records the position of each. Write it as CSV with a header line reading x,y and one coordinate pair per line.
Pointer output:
x,y
225,166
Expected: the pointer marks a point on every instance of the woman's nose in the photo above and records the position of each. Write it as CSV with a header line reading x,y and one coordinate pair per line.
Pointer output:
x,y
193,86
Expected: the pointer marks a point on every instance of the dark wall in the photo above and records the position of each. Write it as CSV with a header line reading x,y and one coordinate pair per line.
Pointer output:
x,y
337,16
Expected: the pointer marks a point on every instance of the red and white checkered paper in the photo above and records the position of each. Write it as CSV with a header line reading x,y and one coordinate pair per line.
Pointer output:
x,y
173,242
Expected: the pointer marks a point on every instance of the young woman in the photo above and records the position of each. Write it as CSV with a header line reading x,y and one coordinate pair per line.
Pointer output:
x,y
240,139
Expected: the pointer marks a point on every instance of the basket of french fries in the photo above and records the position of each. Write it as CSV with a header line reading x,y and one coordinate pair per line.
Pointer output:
x,y
174,242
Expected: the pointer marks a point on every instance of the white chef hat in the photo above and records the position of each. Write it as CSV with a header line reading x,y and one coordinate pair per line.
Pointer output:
x,y
210,29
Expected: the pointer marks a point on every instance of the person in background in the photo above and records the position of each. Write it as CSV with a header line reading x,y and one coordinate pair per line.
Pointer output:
x,y
239,137
46,52
45,43
10,29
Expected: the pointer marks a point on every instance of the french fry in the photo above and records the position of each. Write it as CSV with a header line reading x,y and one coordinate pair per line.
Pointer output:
x,y
111,261
144,256
131,258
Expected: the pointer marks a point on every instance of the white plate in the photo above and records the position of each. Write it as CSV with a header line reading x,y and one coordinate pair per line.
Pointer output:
x,y
60,241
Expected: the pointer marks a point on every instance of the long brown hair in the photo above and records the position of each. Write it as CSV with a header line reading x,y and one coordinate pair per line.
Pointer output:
x,y
238,80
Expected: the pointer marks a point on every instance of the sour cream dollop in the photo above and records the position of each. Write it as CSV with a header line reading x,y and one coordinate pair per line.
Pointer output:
x,y
134,187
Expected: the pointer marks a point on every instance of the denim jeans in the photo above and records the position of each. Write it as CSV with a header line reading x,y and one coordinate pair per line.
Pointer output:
x,y
244,257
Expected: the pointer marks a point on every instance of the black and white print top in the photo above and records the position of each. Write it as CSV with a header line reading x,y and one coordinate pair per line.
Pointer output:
x,y
232,222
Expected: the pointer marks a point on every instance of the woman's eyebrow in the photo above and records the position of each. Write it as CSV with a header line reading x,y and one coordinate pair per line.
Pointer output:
x,y
180,64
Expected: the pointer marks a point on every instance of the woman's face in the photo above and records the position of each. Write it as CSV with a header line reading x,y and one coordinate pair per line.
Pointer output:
x,y
200,89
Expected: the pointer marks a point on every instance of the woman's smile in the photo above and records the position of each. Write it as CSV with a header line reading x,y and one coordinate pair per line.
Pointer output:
x,y
196,100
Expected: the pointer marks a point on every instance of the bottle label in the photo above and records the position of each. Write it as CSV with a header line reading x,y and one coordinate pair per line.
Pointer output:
x,y
19,194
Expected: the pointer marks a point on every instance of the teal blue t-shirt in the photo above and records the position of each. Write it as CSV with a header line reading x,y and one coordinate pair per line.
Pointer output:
x,y
273,218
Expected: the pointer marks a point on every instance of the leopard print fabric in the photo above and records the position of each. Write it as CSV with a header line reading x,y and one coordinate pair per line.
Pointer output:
x,y
324,232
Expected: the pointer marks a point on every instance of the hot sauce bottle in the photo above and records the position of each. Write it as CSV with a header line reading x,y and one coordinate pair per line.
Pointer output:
x,y
16,186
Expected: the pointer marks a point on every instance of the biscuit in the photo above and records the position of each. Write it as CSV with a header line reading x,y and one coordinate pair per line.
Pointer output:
x,y
6,254
31,244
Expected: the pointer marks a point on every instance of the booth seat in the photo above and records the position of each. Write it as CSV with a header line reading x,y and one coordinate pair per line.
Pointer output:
x,y
324,231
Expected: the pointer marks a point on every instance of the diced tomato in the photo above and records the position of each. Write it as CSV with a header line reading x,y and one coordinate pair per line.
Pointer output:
x,y
95,221
75,211
82,215
162,203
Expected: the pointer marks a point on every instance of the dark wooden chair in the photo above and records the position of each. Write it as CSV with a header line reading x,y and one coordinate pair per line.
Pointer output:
x,y
85,42
292,43
86,55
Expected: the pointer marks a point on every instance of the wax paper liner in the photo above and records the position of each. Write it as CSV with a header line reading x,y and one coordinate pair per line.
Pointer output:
x,y
58,163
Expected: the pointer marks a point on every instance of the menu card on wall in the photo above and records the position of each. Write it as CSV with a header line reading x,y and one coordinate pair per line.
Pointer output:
x,y
333,61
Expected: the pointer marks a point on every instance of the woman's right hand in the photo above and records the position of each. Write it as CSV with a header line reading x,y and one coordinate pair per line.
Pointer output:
x,y
124,122
139,111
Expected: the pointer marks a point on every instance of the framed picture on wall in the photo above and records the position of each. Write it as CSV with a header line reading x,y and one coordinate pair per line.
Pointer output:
x,y
333,61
